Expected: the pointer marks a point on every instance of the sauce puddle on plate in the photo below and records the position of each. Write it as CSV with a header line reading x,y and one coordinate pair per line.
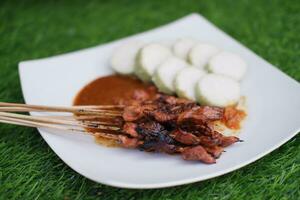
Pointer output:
x,y
110,90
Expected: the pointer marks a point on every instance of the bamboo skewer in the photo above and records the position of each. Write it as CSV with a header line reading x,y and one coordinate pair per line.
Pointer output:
x,y
21,122
34,125
84,118
13,121
71,110
26,123
5,104
103,110
95,125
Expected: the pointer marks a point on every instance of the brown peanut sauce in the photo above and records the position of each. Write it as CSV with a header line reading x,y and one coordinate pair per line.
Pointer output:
x,y
109,90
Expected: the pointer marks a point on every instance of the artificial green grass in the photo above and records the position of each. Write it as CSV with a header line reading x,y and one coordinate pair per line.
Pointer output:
x,y
34,29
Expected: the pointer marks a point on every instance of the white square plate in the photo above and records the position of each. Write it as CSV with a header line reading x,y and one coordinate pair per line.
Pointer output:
x,y
273,101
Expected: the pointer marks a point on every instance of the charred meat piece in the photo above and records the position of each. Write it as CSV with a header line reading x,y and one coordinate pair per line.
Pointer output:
x,y
215,151
200,115
163,109
130,129
161,115
155,137
228,140
197,153
127,142
174,100
208,141
149,128
168,124
217,139
225,141
167,148
185,137
137,111
197,129
132,113
168,109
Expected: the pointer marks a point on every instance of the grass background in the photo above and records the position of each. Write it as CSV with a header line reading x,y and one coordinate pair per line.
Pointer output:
x,y
35,29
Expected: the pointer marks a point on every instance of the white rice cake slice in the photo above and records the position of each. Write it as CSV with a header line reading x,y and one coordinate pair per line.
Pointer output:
x,y
186,80
164,77
124,57
182,47
229,64
201,53
149,58
217,90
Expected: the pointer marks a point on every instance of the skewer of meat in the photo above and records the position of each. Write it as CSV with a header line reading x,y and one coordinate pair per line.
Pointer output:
x,y
163,124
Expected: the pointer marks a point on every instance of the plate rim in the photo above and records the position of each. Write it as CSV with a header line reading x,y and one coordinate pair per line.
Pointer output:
x,y
166,184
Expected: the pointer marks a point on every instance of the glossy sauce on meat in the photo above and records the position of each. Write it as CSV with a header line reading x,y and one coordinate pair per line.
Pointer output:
x,y
117,89
113,89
